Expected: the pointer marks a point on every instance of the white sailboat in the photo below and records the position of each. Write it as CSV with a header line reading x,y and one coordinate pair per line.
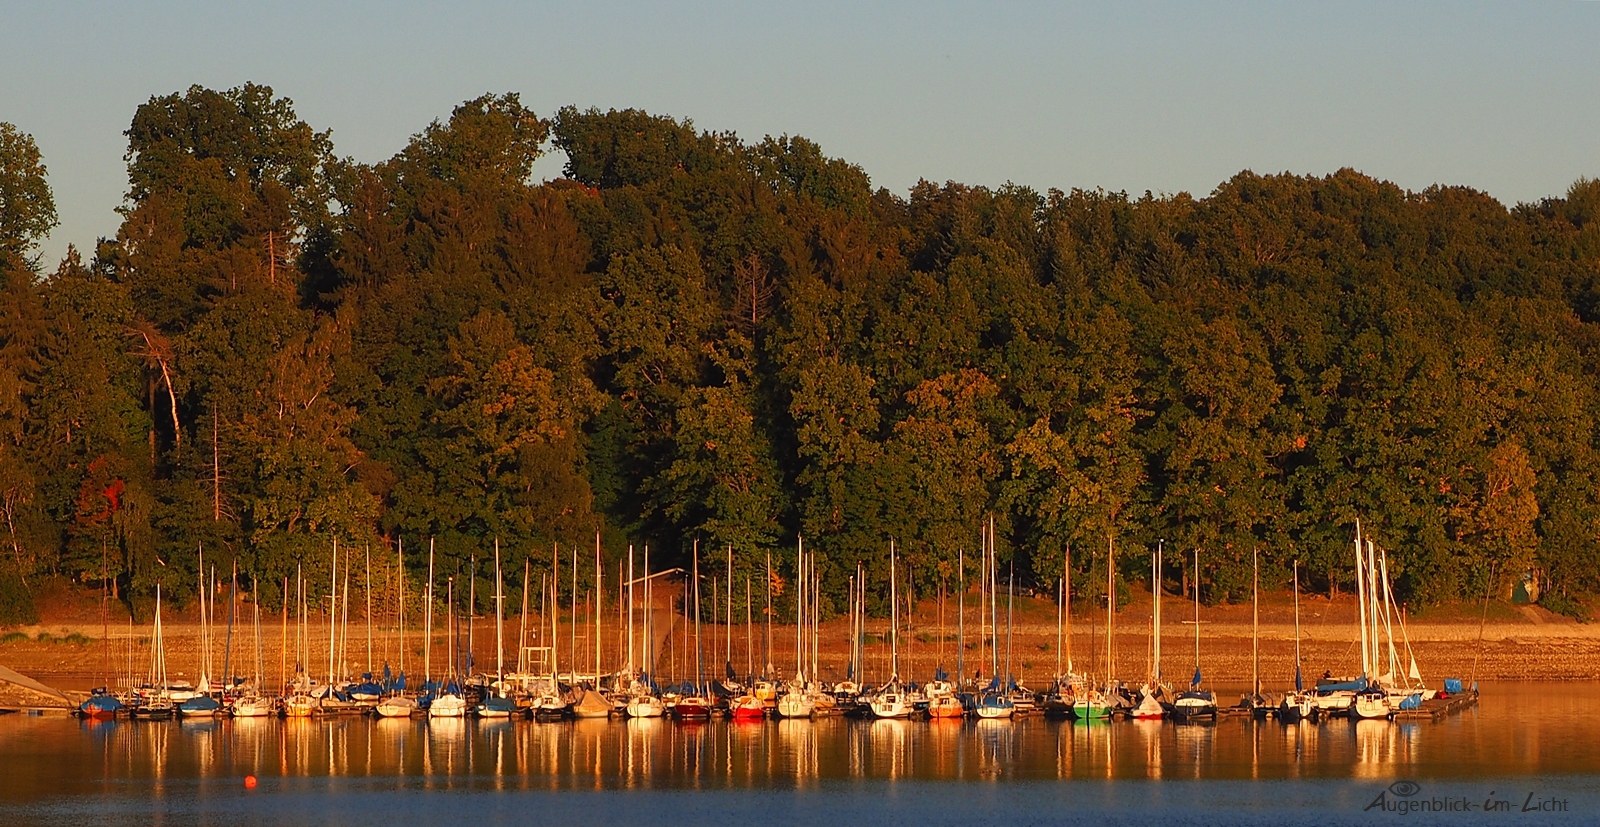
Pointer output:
x,y
1150,706
1298,705
890,700
447,701
796,701
397,703
1195,702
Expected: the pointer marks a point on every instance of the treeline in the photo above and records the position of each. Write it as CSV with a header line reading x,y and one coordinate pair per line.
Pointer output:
x,y
691,338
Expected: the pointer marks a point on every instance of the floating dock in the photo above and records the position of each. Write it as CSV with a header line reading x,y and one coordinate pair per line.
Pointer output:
x,y
1438,708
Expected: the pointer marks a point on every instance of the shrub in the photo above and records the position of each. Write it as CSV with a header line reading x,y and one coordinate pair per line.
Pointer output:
x,y
16,602
1563,605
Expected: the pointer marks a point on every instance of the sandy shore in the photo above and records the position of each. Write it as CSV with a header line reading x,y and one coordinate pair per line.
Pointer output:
x,y
74,650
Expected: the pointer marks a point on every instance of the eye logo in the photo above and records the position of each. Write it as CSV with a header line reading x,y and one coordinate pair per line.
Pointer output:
x,y
1405,789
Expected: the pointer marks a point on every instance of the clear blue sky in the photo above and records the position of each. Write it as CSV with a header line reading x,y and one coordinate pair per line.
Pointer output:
x,y
1501,96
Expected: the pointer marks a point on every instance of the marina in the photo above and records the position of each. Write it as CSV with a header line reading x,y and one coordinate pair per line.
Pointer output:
x,y
1524,737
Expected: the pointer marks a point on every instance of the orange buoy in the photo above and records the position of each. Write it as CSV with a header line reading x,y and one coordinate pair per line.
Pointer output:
x,y
249,782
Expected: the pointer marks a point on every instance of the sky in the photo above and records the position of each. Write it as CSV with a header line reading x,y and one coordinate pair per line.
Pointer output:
x,y
1132,96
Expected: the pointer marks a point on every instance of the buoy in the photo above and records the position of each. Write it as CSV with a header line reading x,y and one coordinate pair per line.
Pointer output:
x,y
249,782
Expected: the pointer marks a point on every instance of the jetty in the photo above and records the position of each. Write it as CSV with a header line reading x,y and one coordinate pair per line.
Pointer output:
x,y
20,693
1439,708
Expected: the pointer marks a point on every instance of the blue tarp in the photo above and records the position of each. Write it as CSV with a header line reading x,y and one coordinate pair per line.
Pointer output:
x,y
1452,686
1412,702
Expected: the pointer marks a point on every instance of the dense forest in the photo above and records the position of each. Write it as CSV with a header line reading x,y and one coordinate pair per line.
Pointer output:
x,y
690,338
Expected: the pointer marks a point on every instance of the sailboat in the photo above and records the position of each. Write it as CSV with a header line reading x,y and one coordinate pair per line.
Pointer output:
x,y
1196,702
396,703
447,701
298,701
796,702
549,704
1101,703
154,703
942,700
1150,705
203,704
746,705
643,702
996,703
497,701
253,704
694,705
1298,705
890,699
1258,705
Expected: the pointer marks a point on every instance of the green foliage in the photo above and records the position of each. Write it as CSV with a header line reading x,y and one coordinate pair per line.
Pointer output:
x,y
27,208
16,601
1562,604
694,341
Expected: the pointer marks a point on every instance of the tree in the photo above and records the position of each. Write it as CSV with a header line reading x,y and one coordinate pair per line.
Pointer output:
x,y
27,208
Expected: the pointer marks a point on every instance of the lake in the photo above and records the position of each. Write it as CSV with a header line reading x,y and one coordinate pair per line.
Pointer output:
x,y
1527,751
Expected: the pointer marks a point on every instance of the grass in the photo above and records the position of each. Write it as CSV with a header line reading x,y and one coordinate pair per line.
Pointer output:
x,y
74,639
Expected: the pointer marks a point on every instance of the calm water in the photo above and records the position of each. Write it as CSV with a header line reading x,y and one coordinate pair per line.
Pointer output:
x,y
1524,739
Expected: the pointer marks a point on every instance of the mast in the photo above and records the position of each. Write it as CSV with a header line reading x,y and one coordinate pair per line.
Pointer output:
x,y
1298,682
1255,623
523,667
369,606
468,662
649,615
1388,614
630,609
728,628
302,643
283,642
427,647
894,620
940,665
749,639
1059,587
699,668
599,600
1196,682
556,613
1111,596
333,611
1066,602
450,625
983,596
574,632
961,613
1156,586
799,607
1361,606
158,659
766,646
259,678
816,621
499,616
400,615
344,625
1011,599
205,627
227,649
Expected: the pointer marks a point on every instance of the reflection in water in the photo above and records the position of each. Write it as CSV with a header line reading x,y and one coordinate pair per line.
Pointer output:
x,y
1515,732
